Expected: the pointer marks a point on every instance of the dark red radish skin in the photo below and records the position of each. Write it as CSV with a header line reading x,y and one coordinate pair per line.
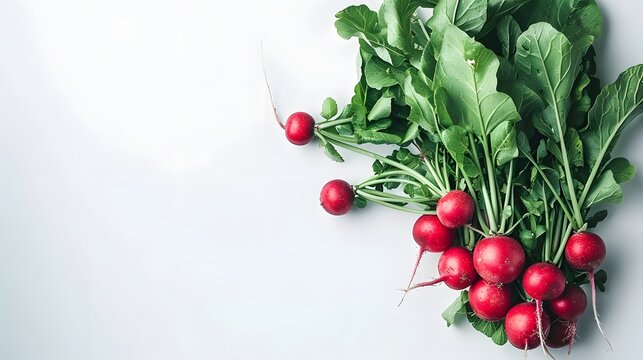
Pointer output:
x,y
499,259
456,270
432,236
300,128
561,334
570,305
455,209
586,251
337,197
521,325
543,281
490,302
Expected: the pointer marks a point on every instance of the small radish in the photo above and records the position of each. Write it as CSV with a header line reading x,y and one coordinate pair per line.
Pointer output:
x,y
456,270
561,333
569,306
337,197
490,302
543,281
432,236
521,325
585,251
455,209
300,128
499,259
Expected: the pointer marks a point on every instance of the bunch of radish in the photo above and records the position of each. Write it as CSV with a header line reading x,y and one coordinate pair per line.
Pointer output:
x,y
502,141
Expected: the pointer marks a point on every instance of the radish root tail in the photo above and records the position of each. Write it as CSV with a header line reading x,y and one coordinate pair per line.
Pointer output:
x,y
592,283
571,335
272,100
415,269
539,320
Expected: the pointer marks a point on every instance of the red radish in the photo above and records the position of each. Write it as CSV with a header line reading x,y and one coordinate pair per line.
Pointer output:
x,y
490,302
499,259
456,269
561,333
455,209
585,251
521,325
336,197
543,281
570,305
432,236
300,128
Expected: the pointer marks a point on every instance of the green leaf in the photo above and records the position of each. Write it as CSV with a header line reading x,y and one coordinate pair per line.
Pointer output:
x,y
416,97
579,20
344,129
495,330
503,143
360,202
621,169
456,141
397,16
547,63
528,239
600,279
456,309
332,153
467,72
468,15
597,217
377,137
381,109
498,10
574,147
508,32
616,105
379,74
329,108
411,133
606,189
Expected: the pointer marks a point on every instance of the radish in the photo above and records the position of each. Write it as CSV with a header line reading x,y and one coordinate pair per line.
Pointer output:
x,y
585,251
432,236
336,197
521,325
456,270
455,209
498,259
569,306
543,281
561,333
300,128
490,302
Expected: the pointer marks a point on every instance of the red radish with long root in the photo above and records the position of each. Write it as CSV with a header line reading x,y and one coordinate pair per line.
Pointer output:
x,y
585,251
543,281
432,236
456,270
522,326
491,302
568,307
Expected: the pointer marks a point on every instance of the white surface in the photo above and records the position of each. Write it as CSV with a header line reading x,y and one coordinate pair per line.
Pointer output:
x,y
151,209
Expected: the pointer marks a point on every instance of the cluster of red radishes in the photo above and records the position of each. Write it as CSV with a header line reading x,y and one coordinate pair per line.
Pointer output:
x,y
492,271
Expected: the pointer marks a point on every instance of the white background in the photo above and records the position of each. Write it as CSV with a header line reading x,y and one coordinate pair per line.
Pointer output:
x,y
150,208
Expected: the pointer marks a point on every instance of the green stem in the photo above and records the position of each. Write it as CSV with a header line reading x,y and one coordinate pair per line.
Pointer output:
x,y
392,206
337,141
563,242
396,198
485,192
385,174
491,174
445,172
548,232
556,235
515,225
434,175
387,180
336,137
507,195
562,204
331,123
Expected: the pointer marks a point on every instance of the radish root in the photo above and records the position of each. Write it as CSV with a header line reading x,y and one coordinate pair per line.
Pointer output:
x,y
272,100
415,269
592,283
539,312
